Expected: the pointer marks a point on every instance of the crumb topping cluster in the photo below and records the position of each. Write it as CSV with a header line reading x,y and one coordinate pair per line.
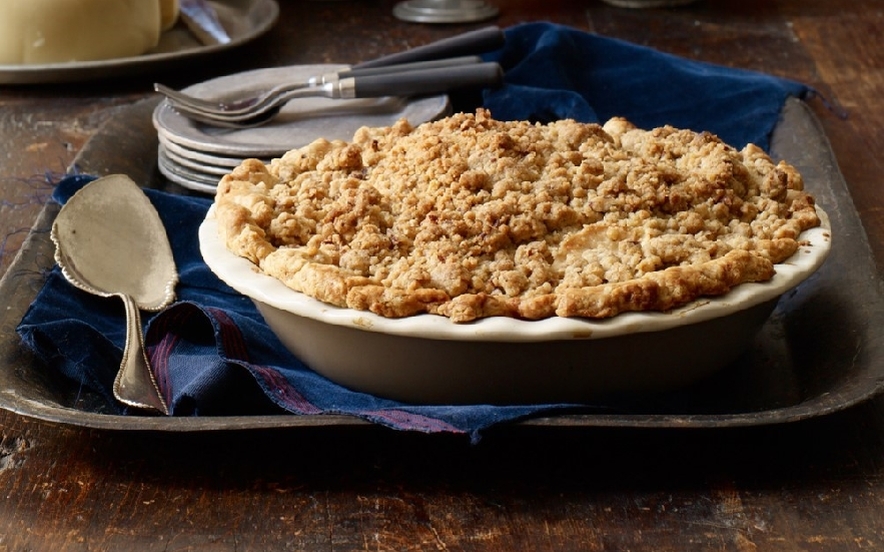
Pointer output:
x,y
469,217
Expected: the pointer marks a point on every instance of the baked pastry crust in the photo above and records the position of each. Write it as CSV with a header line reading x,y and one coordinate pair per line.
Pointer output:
x,y
470,217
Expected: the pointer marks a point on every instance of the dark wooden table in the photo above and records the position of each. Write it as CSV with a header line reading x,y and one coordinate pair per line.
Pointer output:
x,y
812,485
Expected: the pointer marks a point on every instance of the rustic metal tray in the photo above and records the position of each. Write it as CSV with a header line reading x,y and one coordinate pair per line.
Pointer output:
x,y
821,351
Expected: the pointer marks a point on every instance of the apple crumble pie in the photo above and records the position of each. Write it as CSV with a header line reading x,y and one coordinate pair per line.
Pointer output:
x,y
469,217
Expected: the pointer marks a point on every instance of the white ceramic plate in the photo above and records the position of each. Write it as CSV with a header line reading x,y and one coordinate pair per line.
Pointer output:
x,y
428,359
300,121
244,20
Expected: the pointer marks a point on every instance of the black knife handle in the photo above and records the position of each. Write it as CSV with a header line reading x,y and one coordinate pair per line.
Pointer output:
x,y
479,41
429,81
412,66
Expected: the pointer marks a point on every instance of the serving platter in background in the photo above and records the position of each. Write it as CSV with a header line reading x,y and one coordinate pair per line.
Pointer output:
x,y
244,21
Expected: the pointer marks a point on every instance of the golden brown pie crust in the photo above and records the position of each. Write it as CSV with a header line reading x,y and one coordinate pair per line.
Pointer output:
x,y
469,217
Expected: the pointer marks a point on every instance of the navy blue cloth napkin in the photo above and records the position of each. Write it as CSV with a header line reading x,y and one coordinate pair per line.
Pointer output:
x,y
555,72
213,353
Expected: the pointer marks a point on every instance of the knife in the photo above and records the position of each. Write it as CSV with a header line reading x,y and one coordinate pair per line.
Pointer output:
x,y
202,20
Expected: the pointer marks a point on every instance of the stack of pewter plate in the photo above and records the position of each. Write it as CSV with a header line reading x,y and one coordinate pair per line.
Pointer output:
x,y
196,156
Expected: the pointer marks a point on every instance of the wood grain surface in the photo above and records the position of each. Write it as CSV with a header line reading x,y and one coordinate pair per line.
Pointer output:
x,y
815,485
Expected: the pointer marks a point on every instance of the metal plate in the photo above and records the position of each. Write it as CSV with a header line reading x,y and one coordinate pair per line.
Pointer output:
x,y
820,352
244,21
298,123
183,141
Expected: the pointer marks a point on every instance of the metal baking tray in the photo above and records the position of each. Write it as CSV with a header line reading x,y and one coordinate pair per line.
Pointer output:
x,y
820,352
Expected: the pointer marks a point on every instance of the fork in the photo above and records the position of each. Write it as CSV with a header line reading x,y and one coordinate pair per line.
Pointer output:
x,y
481,40
403,83
252,104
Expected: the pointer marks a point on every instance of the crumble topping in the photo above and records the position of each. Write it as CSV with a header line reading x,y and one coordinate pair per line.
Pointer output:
x,y
469,217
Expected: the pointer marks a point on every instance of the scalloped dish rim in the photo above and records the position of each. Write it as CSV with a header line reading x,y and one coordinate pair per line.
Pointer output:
x,y
246,278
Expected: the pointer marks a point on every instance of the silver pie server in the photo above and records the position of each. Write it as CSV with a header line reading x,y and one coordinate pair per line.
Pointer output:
x,y
109,241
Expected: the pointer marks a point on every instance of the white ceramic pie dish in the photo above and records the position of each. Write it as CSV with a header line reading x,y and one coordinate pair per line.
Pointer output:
x,y
428,359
